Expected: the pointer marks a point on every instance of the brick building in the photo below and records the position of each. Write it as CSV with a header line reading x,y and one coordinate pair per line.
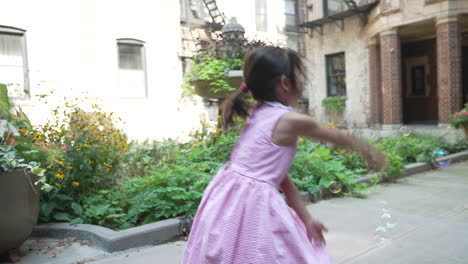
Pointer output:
x,y
396,61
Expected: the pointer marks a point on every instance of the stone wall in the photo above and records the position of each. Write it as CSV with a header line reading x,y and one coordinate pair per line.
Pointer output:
x,y
350,40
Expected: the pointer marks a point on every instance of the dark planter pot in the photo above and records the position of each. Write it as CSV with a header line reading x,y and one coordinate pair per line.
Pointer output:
x,y
19,207
203,88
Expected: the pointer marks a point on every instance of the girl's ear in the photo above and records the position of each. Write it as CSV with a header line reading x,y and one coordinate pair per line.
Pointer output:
x,y
286,84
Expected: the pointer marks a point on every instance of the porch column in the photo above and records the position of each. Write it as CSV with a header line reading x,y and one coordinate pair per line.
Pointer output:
x,y
375,91
449,91
390,53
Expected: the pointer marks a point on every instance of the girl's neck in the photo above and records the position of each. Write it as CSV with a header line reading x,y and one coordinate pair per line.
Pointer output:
x,y
278,104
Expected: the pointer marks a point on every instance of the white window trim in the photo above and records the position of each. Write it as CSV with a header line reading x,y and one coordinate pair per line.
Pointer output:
x,y
22,33
131,41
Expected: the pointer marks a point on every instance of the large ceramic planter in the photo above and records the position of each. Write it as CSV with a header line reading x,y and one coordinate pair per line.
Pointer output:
x,y
19,207
203,87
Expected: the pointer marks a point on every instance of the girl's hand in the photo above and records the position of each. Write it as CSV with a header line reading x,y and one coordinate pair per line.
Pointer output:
x,y
375,159
315,230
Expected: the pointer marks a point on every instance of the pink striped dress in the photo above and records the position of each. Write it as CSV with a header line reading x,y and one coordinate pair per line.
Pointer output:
x,y
242,217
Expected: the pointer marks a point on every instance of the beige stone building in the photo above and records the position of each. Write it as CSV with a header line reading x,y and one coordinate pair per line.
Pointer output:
x,y
128,55
397,62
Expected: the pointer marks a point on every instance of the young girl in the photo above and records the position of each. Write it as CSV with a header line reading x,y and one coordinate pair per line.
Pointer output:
x,y
242,217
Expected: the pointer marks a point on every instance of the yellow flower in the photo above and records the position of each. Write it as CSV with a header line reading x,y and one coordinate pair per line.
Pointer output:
x,y
342,151
107,165
78,149
60,171
86,144
90,162
50,166
61,162
301,139
25,134
20,129
60,176
108,169
58,185
69,167
75,183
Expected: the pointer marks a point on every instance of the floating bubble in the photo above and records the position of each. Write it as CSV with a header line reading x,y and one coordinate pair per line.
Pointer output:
x,y
386,215
405,131
437,158
381,229
334,187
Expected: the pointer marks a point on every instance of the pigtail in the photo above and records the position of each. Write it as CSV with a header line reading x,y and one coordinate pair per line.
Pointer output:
x,y
235,105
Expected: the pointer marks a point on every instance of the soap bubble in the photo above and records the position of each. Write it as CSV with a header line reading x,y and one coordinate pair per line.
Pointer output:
x,y
334,187
405,131
385,230
437,158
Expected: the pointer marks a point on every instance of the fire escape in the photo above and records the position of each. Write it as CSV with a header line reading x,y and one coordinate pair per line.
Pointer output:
x,y
200,19
338,17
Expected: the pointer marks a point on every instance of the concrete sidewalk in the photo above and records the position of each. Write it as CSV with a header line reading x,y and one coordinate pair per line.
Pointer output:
x,y
421,219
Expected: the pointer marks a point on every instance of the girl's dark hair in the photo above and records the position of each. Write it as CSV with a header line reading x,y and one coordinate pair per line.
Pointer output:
x,y
263,67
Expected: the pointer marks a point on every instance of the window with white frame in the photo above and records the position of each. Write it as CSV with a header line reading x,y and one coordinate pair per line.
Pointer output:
x,y
261,15
132,68
13,62
291,13
336,74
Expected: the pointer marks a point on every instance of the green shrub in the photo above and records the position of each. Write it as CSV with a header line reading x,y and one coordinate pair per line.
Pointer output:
x,y
80,151
413,148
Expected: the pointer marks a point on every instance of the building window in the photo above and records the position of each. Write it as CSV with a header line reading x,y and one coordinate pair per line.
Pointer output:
x,y
13,62
331,7
291,13
336,74
261,15
132,68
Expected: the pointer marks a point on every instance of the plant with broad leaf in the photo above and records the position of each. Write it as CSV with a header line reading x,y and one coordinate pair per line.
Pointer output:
x,y
12,122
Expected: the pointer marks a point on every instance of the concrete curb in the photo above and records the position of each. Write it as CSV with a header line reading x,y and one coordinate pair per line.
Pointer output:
x,y
110,240
170,229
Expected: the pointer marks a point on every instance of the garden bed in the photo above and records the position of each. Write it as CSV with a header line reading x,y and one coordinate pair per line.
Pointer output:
x,y
168,230
163,180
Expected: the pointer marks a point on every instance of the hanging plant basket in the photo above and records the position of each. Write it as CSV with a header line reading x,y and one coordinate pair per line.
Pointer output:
x,y
19,207
205,90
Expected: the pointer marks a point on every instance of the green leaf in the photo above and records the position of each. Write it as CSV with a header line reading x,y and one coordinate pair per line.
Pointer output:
x,y
77,208
61,216
63,197
77,220
47,208
38,171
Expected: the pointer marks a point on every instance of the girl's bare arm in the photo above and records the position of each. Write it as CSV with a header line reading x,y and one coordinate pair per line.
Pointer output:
x,y
293,125
294,199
